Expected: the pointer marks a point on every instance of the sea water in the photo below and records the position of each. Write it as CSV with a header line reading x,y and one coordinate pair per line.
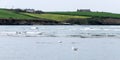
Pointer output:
x,y
83,31
60,42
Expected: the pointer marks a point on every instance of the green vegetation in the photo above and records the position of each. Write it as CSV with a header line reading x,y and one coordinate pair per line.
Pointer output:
x,y
6,14
56,17
90,14
82,18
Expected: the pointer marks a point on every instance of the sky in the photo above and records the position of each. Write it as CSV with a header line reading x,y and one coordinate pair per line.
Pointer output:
x,y
64,5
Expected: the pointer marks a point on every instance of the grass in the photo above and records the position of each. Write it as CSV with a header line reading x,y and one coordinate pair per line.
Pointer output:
x,y
10,14
91,14
56,17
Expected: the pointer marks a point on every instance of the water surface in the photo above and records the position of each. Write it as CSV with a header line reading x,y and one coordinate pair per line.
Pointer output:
x,y
83,31
59,42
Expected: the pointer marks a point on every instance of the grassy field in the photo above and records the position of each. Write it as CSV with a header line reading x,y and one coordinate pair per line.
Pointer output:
x,y
56,17
91,14
10,14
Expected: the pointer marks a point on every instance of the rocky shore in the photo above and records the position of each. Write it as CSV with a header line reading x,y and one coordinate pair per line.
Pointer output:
x,y
72,21
28,22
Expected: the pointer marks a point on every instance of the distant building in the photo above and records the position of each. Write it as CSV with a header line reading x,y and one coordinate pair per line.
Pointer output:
x,y
39,12
83,10
30,10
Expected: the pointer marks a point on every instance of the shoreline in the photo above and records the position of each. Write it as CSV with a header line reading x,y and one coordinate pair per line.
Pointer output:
x,y
72,21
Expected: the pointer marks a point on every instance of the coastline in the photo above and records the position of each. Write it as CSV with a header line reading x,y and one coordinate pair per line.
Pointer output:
x,y
72,21
23,17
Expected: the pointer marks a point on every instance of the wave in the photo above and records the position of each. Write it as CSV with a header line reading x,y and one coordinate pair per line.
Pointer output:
x,y
45,34
61,31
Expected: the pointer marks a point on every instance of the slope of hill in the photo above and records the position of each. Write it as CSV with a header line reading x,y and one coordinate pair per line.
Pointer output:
x,y
6,14
90,14
56,17
12,17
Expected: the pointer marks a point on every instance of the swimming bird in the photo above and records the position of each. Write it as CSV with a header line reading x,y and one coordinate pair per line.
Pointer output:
x,y
74,48
59,41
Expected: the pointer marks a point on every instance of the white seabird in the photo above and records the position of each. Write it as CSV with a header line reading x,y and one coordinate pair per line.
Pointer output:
x,y
74,48
59,41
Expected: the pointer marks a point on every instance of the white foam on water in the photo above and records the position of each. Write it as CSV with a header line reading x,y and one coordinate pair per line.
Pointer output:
x,y
61,31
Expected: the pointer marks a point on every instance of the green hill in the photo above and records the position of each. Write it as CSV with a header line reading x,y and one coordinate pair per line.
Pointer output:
x,y
56,17
6,14
90,14
12,16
